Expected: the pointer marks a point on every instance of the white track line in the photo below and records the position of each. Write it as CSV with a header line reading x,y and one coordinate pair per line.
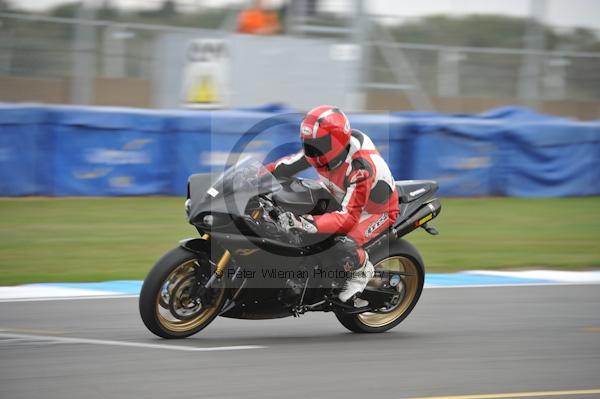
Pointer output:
x,y
519,395
89,341
549,284
68,298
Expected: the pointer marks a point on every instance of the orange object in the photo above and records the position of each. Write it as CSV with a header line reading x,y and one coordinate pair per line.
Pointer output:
x,y
257,21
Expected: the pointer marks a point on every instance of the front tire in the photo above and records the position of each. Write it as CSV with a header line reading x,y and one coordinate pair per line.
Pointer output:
x,y
165,305
398,257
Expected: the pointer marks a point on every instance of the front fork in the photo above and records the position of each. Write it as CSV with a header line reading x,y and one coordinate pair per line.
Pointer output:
x,y
225,258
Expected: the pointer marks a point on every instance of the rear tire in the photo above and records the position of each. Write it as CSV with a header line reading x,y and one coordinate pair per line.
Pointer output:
x,y
404,257
164,305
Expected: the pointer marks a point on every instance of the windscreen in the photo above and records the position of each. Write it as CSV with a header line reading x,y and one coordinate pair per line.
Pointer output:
x,y
248,176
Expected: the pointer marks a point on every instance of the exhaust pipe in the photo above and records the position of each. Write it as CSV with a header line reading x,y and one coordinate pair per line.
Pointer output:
x,y
418,219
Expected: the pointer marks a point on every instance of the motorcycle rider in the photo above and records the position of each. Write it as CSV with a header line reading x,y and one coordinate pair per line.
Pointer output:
x,y
353,171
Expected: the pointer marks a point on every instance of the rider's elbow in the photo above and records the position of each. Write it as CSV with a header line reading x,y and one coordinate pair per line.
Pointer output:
x,y
349,221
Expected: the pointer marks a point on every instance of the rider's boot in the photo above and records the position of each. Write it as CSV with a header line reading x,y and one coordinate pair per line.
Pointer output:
x,y
357,283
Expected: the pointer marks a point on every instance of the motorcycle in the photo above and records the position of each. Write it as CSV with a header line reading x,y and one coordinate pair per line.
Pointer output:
x,y
244,265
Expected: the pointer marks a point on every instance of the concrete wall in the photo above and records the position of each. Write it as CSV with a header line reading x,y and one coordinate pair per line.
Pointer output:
x,y
114,92
139,93
386,101
52,91
123,92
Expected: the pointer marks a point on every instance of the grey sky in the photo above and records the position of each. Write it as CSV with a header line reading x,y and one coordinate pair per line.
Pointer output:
x,y
559,12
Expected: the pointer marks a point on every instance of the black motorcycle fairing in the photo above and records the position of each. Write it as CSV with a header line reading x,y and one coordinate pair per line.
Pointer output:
x,y
262,305
243,242
411,190
412,194
305,196
271,284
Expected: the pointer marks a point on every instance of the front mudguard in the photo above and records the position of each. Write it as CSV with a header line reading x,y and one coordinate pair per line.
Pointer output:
x,y
196,245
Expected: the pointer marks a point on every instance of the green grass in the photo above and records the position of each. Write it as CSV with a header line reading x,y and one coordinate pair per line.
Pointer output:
x,y
51,240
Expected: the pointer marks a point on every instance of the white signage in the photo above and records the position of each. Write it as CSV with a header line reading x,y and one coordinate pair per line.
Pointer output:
x,y
205,75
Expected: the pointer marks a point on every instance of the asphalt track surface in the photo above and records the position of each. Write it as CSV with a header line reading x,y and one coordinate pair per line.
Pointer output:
x,y
458,341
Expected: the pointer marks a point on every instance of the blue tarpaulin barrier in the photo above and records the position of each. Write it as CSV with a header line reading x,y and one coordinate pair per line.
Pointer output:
x,y
552,159
391,135
508,151
463,155
25,148
110,152
49,150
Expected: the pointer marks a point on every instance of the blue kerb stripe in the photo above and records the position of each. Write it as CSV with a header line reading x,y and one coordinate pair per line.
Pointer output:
x,y
126,287
454,279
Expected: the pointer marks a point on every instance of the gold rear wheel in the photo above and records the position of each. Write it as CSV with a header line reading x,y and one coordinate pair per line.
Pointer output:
x,y
407,288
396,288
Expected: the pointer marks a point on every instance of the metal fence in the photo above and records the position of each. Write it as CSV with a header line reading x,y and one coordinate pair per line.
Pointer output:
x,y
48,47
80,50
488,72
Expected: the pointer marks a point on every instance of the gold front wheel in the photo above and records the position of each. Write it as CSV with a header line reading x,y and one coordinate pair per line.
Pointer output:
x,y
174,302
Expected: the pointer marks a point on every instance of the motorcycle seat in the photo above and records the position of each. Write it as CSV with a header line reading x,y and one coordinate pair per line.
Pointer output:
x,y
411,190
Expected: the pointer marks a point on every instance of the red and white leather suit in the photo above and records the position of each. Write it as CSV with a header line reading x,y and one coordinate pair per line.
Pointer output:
x,y
362,184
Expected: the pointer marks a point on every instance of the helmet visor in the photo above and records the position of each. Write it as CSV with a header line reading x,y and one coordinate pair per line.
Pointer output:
x,y
318,147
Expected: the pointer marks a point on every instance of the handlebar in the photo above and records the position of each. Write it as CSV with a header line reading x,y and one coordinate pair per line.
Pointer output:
x,y
274,211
